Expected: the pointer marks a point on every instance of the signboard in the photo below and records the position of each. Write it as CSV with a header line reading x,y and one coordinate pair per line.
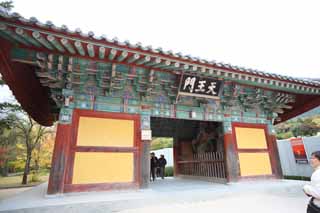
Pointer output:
x,y
299,151
199,86
145,122
146,135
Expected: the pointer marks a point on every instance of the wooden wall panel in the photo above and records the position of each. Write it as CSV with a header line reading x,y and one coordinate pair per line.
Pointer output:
x,y
105,132
252,164
101,167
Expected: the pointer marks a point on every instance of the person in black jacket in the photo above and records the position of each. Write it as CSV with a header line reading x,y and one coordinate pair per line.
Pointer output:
x,y
153,166
162,164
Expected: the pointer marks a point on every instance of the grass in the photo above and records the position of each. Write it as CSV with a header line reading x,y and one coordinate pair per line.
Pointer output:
x,y
15,181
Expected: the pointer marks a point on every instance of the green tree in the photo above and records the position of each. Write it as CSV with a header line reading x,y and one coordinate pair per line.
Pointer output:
x,y
160,143
299,127
8,133
43,152
8,139
7,5
31,134
305,128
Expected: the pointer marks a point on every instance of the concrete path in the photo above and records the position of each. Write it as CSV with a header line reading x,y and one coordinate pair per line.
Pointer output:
x,y
170,195
6,193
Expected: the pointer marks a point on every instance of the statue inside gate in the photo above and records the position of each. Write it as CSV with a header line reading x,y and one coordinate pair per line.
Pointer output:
x,y
208,138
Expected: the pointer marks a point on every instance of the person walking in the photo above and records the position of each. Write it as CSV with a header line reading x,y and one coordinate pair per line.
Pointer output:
x,y
313,189
162,164
153,166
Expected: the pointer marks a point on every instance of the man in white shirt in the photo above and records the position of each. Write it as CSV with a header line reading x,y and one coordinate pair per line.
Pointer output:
x,y
313,189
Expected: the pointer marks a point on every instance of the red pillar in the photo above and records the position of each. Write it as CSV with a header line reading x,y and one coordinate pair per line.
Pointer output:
x,y
231,158
274,156
59,159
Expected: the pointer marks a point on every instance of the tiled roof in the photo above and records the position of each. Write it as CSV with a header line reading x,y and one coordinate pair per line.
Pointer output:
x,y
91,35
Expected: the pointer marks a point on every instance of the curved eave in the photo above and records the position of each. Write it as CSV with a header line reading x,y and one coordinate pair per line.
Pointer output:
x,y
303,104
25,87
49,28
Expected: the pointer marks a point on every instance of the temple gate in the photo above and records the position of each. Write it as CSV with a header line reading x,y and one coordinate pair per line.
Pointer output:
x,y
107,95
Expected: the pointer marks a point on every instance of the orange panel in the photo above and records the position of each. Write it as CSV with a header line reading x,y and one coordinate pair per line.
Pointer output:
x,y
105,132
97,167
250,138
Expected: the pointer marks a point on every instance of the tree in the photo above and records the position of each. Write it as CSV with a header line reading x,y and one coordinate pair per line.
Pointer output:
x,y
160,143
8,113
31,134
8,139
7,5
8,134
305,128
298,127
43,152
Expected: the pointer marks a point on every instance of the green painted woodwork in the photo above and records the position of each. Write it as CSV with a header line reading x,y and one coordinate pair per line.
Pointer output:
x,y
27,37
133,58
90,50
79,48
102,52
112,54
68,46
122,56
154,62
42,40
111,87
143,60
8,32
55,43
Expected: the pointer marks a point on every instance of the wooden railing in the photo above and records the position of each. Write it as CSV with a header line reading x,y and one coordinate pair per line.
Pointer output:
x,y
210,165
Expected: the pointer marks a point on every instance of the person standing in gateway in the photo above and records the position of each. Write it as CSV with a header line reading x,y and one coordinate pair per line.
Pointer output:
x,y
313,189
153,166
162,164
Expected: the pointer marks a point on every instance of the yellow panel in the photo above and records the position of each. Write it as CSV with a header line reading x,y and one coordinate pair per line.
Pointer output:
x,y
105,132
250,138
254,164
97,167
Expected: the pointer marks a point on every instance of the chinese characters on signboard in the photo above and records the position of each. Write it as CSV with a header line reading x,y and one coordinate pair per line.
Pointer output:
x,y
298,150
199,86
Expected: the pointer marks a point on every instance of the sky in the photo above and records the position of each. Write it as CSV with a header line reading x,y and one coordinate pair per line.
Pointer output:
x,y
273,36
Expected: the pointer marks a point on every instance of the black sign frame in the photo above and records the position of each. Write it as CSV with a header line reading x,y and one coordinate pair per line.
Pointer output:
x,y
198,86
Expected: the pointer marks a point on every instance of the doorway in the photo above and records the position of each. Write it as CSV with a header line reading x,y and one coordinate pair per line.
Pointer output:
x,y
198,147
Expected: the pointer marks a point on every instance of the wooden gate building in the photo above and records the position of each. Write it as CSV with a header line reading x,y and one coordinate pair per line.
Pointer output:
x,y
109,95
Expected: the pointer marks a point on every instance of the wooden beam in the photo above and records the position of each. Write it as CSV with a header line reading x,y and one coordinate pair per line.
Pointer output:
x,y
113,74
122,56
68,45
143,60
55,43
112,54
133,58
165,64
42,40
10,34
79,48
27,37
102,52
90,48
154,62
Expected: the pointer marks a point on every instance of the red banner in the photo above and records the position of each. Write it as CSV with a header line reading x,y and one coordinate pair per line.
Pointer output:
x,y
299,151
